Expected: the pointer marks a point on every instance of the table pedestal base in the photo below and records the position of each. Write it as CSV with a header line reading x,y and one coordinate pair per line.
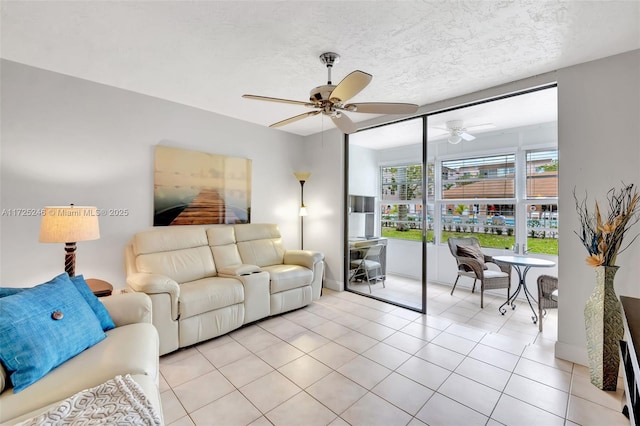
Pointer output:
x,y
522,286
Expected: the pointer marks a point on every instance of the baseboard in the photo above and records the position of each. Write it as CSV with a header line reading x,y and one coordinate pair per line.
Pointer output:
x,y
576,354
333,285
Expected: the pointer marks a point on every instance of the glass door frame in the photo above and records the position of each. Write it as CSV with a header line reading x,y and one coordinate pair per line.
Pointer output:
x,y
346,246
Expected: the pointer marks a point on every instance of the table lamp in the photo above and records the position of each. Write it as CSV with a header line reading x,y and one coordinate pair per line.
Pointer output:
x,y
69,224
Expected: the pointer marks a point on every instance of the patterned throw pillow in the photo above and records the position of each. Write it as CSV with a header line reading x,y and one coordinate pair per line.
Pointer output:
x,y
41,327
474,252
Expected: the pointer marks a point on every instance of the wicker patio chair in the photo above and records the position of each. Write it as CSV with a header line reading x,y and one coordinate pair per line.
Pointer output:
x,y
547,296
472,263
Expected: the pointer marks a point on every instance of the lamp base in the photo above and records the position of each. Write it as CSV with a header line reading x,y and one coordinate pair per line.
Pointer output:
x,y
70,259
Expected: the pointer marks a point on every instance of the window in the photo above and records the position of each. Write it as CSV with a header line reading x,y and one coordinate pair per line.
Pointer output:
x,y
484,177
542,228
542,174
401,201
492,224
499,199
542,198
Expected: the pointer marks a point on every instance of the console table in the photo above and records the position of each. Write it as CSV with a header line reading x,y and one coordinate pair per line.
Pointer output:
x,y
629,356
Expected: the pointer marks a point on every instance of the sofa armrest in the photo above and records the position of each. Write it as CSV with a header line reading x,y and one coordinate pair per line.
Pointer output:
x,y
306,258
255,282
128,308
154,284
237,270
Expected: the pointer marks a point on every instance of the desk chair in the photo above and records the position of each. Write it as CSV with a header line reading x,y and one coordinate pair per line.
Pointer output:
x,y
472,263
547,296
369,266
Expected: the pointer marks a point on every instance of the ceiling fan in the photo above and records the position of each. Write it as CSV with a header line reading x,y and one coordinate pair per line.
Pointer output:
x,y
458,132
331,100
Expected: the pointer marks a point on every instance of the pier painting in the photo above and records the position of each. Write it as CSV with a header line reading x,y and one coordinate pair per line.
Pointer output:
x,y
196,188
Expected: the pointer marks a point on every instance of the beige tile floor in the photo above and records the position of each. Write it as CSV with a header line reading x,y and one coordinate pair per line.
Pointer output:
x,y
346,359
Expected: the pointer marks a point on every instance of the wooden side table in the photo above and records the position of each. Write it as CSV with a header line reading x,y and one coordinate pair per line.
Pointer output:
x,y
99,287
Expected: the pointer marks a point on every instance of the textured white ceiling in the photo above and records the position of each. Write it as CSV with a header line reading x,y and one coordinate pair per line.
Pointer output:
x,y
207,54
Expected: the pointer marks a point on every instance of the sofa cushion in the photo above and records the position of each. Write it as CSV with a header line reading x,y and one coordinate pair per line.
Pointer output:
x,y
81,285
262,252
256,231
286,277
131,349
226,255
259,244
42,327
169,239
221,235
180,265
209,294
222,239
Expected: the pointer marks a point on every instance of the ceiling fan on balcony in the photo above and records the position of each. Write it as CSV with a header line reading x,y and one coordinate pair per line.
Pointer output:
x,y
458,132
331,100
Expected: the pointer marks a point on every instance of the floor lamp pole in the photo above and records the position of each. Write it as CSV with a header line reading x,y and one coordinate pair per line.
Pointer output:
x,y
303,213
302,178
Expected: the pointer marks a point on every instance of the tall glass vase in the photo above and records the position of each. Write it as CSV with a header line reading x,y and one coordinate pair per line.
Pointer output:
x,y
603,323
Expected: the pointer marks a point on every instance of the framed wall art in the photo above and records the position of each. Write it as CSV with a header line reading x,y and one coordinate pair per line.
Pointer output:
x,y
194,188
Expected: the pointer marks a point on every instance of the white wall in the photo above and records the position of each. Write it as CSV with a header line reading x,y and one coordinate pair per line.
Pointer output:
x,y
323,228
66,140
599,138
363,171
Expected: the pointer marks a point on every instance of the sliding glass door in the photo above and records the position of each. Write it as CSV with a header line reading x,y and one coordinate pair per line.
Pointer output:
x,y
487,170
386,213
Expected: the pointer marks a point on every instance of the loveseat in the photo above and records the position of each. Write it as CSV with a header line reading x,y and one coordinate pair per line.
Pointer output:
x,y
131,348
206,280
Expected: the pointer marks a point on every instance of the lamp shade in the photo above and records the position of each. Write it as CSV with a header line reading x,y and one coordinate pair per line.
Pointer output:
x,y
302,176
303,211
67,224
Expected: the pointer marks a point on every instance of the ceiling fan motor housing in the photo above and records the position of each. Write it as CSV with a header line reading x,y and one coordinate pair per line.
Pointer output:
x,y
321,93
455,125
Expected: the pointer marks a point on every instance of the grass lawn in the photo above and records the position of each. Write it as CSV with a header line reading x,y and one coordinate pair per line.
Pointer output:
x,y
535,245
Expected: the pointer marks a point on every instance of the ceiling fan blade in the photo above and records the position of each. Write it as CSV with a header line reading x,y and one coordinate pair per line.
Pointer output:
x,y
295,118
345,124
383,108
284,101
351,85
467,136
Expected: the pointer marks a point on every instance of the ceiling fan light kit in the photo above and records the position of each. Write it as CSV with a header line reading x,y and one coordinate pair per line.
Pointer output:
x,y
454,139
330,99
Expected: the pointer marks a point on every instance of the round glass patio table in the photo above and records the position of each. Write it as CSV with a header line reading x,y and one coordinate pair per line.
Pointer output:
x,y
522,264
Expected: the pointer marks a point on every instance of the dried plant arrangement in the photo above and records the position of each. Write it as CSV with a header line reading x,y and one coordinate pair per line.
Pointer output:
x,y
602,236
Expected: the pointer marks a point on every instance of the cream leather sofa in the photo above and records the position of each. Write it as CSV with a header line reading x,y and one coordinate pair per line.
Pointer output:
x,y
130,348
206,280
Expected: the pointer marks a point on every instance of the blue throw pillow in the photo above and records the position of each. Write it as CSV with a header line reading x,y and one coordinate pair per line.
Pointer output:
x,y
8,291
98,308
81,285
42,327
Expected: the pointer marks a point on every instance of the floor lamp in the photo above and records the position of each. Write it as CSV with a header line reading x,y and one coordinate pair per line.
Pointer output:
x,y
69,224
302,178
